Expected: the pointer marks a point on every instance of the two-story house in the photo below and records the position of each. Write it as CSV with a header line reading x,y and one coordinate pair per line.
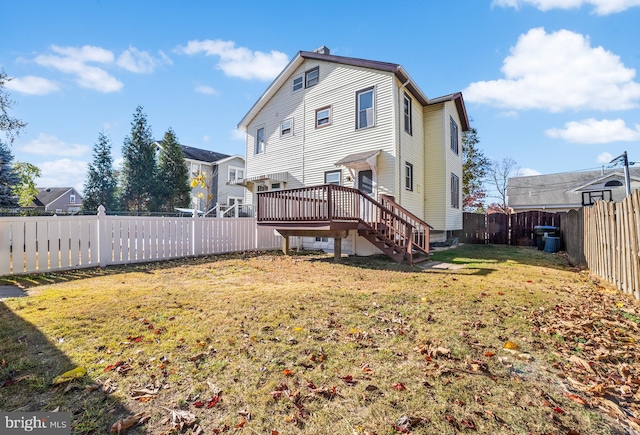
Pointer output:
x,y
221,174
358,124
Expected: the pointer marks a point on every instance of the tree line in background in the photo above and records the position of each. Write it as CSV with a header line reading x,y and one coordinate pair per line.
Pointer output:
x,y
146,182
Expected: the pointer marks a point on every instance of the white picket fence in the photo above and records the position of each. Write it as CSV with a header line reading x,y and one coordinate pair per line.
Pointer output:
x,y
46,244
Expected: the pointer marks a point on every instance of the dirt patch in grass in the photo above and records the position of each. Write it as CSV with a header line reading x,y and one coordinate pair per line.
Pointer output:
x,y
284,345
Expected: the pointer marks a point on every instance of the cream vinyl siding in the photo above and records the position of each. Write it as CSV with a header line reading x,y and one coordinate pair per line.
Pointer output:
x,y
436,186
412,150
453,163
311,151
226,190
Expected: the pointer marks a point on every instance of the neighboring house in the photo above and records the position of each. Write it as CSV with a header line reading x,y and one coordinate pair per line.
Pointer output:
x,y
221,172
569,190
58,199
361,124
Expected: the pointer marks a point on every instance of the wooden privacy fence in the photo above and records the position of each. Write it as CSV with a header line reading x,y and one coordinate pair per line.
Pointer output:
x,y
46,244
502,229
612,242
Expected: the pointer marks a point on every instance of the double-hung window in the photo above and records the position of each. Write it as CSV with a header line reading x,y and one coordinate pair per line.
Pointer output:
x,y
407,114
297,83
455,191
365,108
323,116
235,174
311,77
286,128
333,177
259,149
72,199
408,176
454,135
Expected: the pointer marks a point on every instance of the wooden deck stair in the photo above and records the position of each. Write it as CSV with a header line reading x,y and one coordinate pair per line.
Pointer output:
x,y
388,226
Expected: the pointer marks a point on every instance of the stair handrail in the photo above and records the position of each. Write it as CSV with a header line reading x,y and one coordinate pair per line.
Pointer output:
x,y
421,227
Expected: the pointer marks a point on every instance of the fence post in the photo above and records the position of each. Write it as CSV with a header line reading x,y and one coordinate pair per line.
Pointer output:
x,y
196,234
104,247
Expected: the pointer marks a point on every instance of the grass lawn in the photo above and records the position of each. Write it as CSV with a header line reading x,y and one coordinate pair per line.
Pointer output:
x,y
268,344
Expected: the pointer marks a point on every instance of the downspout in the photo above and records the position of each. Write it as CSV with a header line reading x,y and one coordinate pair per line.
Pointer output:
x,y
399,138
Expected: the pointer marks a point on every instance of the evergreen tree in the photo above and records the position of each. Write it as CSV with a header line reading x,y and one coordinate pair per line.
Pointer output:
x,y
474,169
172,177
8,178
100,185
138,167
26,187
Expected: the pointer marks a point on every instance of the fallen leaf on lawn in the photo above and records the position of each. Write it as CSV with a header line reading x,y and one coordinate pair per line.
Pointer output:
x,y
399,386
287,372
468,423
349,380
489,354
212,402
241,424
137,339
78,372
511,345
120,425
576,398
558,410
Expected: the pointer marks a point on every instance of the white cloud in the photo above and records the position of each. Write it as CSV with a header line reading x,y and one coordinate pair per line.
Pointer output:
x,y
206,138
591,131
527,172
510,114
31,85
49,145
238,135
62,173
141,62
559,71
239,61
604,157
207,90
600,7
72,60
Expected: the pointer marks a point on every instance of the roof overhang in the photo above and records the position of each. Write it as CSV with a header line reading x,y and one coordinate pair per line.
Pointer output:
x,y
282,177
460,107
366,158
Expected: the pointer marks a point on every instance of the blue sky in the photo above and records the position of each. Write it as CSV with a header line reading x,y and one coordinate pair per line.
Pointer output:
x,y
552,84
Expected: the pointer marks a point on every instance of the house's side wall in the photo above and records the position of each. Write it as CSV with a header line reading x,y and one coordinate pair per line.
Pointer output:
x,y
64,202
435,185
453,166
311,151
224,189
411,150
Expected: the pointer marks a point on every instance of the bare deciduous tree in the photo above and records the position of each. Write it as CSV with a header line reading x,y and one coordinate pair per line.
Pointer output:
x,y
498,176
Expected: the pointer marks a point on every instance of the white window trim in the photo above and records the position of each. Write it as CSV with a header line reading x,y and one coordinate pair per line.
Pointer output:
x,y
336,171
72,199
236,169
264,141
371,89
455,204
290,120
408,176
330,109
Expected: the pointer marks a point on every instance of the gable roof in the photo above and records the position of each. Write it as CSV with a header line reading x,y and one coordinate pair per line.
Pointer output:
x,y
198,154
202,155
47,195
393,68
563,189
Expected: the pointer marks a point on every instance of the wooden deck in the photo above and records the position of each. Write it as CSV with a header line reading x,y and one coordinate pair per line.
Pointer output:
x,y
330,211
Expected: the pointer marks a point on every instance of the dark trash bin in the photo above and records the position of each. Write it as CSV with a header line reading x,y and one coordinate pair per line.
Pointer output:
x,y
552,244
542,232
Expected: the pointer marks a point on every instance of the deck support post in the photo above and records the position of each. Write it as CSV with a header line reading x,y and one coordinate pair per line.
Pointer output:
x,y
285,245
337,249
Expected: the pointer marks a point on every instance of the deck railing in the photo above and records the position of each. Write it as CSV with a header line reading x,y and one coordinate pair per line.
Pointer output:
x,y
330,203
